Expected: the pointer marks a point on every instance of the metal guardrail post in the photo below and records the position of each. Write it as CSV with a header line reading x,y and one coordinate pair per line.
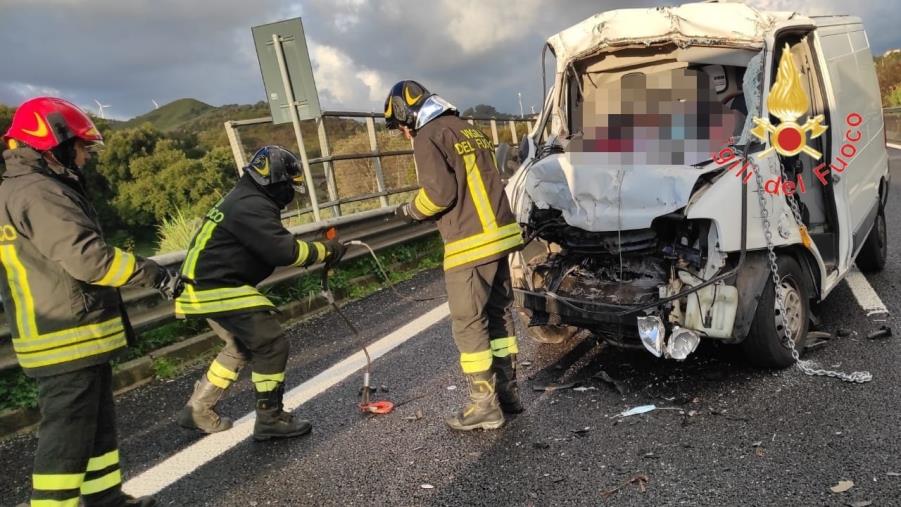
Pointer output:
x,y
493,123
295,119
234,140
325,151
377,161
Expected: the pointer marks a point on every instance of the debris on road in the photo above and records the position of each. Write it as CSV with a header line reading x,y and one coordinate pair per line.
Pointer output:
x,y
640,480
415,417
893,474
582,389
817,339
384,388
426,486
619,385
861,503
451,388
843,332
639,410
525,363
554,387
540,445
842,486
882,332
581,431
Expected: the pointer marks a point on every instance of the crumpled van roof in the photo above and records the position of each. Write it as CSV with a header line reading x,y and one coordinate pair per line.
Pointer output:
x,y
719,24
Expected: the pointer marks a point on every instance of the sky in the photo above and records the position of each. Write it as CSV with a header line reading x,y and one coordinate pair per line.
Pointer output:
x,y
127,53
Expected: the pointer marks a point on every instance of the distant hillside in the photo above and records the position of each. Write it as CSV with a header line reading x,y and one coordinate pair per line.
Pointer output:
x,y
170,116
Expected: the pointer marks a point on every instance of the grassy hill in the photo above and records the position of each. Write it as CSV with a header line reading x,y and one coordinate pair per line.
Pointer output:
x,y
170,116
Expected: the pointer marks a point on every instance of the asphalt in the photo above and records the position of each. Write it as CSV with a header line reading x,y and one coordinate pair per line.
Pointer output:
x,y
723,433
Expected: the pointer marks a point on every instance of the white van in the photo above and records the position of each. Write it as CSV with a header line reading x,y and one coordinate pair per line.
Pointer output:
x,y
669,138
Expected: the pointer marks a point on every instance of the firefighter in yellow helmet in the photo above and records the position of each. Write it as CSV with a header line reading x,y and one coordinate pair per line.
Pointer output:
x,y
60,283
241,242
461,189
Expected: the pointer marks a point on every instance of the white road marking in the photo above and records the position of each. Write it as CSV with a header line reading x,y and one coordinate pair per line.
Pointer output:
x,y
206,449
864,293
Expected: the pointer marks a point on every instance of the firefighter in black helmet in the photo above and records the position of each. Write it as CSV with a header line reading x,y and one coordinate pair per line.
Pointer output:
x,y
461,189
242,240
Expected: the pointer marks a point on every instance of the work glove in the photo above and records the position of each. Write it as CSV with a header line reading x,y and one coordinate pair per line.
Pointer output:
x,y
403,213
170,283
334,251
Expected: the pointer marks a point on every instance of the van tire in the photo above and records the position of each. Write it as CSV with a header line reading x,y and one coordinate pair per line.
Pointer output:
x,y
872,255
763,346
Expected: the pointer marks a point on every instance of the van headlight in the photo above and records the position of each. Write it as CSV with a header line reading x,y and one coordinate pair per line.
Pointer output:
x,y
682,343
652,333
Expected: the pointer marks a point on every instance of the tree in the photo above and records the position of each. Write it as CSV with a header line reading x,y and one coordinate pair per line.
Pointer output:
x,y
888,72
121,148
167,179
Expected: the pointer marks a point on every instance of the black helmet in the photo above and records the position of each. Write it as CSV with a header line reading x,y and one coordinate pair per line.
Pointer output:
x,y
272,164
403,103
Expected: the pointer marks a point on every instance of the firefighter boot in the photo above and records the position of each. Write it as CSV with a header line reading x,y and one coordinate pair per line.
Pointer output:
x,y
272,421
483,410
200,413
504,369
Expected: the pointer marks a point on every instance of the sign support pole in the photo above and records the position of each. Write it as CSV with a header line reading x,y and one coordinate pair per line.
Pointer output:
x,y
295,119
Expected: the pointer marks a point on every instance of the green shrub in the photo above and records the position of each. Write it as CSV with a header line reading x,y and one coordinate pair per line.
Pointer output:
x,y
176,232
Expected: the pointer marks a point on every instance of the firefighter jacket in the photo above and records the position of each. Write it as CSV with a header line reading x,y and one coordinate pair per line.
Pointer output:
x,y
240,243
461,187
60,279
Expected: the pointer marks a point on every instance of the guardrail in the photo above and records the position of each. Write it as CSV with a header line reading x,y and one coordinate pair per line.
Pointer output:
x,y
147,310
325,162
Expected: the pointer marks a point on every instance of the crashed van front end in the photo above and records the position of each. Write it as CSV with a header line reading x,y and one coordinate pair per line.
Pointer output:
x,y
633,193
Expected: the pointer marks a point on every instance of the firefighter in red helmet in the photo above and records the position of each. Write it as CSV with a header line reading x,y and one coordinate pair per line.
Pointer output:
x,y
60,285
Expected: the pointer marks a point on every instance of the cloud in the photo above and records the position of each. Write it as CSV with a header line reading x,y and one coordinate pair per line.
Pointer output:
x,y
342,83
478,26
126,53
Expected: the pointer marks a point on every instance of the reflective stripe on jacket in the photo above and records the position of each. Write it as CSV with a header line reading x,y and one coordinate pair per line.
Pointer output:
x,y
59,279
240,243
461,187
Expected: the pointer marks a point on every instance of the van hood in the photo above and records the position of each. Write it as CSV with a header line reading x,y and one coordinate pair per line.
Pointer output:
x,y
597,197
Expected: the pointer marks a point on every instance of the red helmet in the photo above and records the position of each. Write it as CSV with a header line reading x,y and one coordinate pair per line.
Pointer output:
x,y
46,122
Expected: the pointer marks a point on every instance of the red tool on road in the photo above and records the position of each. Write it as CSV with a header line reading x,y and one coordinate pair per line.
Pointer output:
x,y
367,406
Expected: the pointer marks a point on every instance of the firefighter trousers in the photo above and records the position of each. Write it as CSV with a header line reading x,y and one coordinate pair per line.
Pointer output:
x,y
480,298
77,453
256,337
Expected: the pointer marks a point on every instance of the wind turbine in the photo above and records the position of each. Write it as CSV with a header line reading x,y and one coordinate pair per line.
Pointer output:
x,y
519,94
100,108
155,105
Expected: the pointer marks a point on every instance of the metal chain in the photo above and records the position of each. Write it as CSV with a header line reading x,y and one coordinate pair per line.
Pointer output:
x,y
807,367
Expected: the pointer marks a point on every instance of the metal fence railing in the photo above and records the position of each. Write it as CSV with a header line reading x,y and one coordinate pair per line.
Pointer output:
x,y
326,192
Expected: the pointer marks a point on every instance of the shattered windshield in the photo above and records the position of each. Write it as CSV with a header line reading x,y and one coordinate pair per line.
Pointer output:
x,y
666,114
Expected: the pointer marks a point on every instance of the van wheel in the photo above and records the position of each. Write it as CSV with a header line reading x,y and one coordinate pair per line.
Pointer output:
x,y
764,346
875,249
546,334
